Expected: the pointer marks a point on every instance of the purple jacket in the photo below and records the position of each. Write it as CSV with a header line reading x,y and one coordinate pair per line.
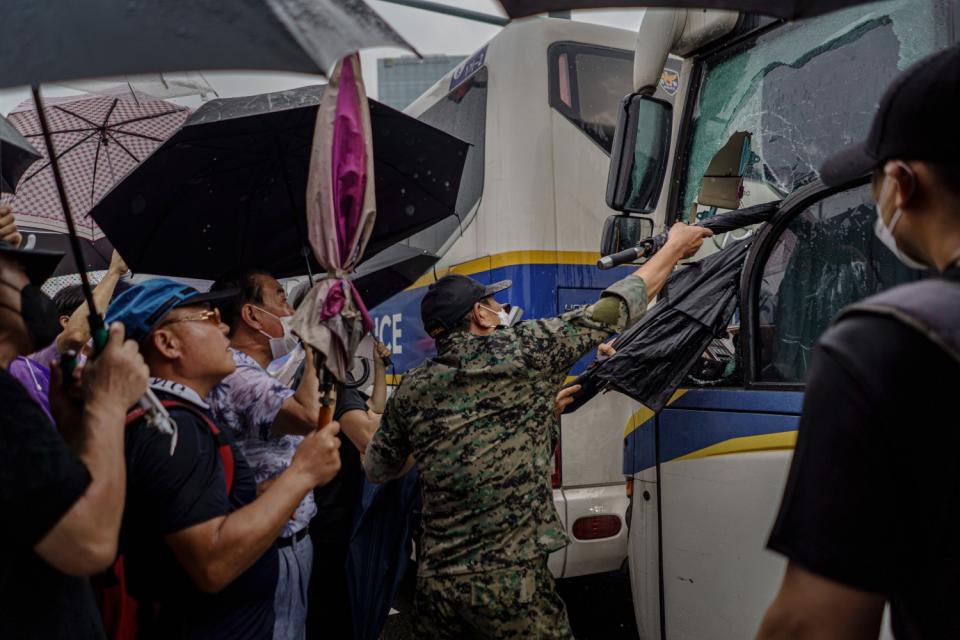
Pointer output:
x,y
35,378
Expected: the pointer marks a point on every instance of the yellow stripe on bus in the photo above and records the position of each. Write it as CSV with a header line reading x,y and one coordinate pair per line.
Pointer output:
x,y
509,259
780,441
644,415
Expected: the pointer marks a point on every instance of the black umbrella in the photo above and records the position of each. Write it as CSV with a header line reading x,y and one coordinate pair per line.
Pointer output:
x,y
694,307
96,254
16,155
390,272
54,40
720,223
787,9
228,190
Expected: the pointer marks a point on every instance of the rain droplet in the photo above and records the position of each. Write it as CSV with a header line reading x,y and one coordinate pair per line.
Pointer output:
x,y
446,184
409,209
403,191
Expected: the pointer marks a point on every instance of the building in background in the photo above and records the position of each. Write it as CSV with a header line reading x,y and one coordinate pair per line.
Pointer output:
x,y
402,80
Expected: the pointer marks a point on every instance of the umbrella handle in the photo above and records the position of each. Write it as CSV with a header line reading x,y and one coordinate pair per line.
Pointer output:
x,y
326,416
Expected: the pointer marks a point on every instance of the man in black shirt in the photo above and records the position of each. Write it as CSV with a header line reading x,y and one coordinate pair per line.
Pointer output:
x,y
198,543
869,513
61,504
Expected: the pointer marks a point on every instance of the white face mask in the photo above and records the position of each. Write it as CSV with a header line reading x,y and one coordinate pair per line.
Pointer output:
x,y
885,233
503,315
286,343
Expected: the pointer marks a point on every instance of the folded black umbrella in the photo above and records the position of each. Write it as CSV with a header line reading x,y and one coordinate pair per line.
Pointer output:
x,y
788,9
695,306
228,190
16,154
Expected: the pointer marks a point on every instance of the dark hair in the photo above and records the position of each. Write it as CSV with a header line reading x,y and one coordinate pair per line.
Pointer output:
x,y
68,299
248,291
948,175
298,294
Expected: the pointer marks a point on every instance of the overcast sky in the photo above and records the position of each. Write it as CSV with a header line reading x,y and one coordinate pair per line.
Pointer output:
x,y
430,33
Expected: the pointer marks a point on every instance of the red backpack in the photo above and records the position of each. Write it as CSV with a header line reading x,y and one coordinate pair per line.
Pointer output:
x,y
118,609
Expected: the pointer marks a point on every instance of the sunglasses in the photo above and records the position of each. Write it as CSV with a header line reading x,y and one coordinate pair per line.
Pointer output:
x,y
210,315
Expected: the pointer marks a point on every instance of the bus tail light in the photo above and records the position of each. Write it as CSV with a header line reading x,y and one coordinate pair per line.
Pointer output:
x,y
596,527
556,479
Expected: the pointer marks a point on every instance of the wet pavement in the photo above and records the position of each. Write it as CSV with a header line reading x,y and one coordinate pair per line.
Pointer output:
x,y
599,606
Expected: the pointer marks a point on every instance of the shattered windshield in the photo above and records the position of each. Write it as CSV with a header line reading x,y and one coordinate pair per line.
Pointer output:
x,y
805,91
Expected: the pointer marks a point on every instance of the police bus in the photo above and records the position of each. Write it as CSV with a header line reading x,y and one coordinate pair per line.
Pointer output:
x,y
538,105
760,104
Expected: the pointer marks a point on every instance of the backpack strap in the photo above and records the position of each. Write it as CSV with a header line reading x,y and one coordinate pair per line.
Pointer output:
x,y
224,450
930,307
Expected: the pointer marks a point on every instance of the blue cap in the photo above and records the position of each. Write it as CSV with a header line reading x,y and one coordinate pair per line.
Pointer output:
x,y
141,307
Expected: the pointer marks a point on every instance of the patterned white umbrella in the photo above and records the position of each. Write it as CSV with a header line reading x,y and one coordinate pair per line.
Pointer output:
x,y
98,139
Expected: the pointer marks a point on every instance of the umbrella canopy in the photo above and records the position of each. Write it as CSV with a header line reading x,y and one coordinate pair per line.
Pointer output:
x,y
340,216
379,551
16,156
58,40
96,254
787,9
98,139
390,272
695,306
227,191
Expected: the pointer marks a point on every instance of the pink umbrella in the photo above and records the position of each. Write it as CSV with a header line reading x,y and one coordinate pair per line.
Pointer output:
x,y
341,210
99,140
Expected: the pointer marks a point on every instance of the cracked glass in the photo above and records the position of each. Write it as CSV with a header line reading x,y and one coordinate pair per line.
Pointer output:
x,y
804,91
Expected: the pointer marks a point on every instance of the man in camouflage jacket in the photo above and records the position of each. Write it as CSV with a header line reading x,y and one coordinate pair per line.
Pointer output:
x,y
477,418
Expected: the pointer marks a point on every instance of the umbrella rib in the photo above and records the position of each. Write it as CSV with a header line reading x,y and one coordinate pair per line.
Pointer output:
x,y
113,106
76,115
133,134
60,154
93,178
59,131
146,117
120,144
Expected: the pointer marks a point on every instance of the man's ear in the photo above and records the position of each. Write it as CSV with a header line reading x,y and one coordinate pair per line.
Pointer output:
x,y
478,315
63,321
165,343
905,179
248,315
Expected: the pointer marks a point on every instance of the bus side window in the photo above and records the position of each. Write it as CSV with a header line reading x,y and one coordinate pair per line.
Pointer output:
x,y
825,259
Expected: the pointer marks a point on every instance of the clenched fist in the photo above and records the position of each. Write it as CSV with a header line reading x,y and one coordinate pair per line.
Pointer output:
x,y
318,456
687,239
118,375
8,226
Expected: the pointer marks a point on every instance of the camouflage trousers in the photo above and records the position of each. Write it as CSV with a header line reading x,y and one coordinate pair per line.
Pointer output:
x,y
519,602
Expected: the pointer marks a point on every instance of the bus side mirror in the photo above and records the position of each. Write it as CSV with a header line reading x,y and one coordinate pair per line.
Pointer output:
x,y
623,232
641,149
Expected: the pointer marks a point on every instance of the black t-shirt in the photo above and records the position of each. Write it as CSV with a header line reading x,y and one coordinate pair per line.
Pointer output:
x,y
40,479
168,493
338,499
873,494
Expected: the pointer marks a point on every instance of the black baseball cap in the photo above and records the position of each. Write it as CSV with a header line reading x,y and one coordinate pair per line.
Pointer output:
x,y
450,298
917,120
38,265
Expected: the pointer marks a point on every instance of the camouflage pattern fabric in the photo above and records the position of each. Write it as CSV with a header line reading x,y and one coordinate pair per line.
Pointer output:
x,y
478,418
511,603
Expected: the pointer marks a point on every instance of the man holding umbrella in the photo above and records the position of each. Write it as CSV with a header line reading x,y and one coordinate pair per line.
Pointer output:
x,y
61,502
477,419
